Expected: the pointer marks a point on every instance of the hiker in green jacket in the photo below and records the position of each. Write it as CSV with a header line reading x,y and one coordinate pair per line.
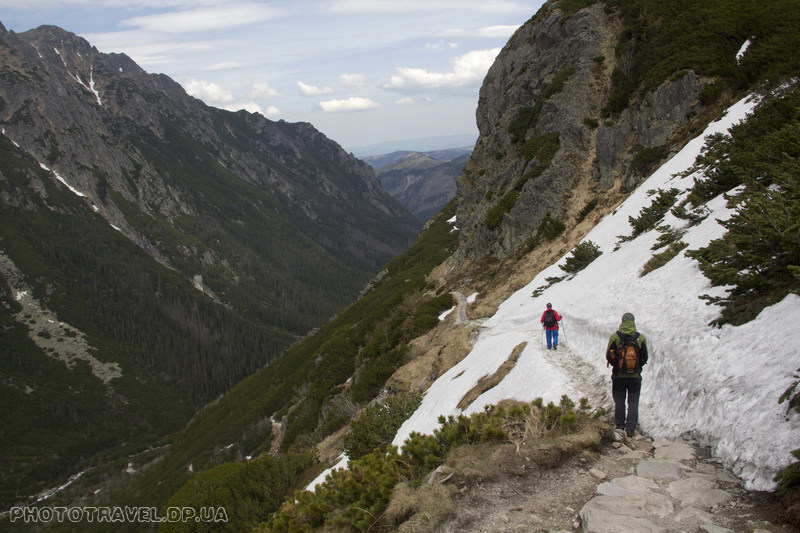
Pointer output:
x,y
627,354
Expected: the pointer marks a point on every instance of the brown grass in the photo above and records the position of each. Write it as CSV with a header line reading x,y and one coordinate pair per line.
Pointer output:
x,y
486,461
419,510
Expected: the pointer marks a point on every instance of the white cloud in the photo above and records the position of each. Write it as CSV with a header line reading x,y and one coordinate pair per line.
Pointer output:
x,y
223,16
210,93
261,89
225,65
312,90
251,107
441,45
407,100
395,6
496,31
355,103
352,80
272,112
467,70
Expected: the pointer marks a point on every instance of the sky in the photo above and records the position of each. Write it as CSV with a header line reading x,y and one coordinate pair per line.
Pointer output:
x,y
361,71
718,385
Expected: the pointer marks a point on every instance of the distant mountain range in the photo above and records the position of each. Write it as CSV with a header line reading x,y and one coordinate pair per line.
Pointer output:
x,y
422,182
422,144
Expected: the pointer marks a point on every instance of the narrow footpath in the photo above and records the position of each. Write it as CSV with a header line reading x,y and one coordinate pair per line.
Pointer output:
x,y
637,485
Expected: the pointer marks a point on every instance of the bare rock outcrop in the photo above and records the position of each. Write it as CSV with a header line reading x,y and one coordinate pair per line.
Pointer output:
x,y
550,86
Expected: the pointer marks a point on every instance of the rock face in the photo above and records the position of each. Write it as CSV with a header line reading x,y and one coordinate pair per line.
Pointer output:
x,y
553,80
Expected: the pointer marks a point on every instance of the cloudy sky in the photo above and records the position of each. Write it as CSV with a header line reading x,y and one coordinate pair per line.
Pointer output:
x,y
361,71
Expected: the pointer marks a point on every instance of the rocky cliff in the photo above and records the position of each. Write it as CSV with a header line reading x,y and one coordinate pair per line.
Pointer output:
x,y
548,133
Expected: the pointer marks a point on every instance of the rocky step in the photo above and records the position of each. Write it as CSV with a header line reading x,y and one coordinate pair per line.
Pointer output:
x,y
669,489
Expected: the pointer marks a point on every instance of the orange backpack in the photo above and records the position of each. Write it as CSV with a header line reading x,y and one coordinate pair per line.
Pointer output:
x,y
627,358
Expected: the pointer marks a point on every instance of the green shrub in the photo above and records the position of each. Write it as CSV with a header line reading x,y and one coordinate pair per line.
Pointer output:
x,y
527,116
588,208
583,254
543,148
518,127
663,38
759,257
248,492
669,235
661,259
356,498
495,215
426,316
376,425
650,216
570,7
693,216
550,228
709,93
789,477
792,395
644,159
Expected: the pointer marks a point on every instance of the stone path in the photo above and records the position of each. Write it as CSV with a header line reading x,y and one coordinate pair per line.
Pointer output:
x,y
637,485
669,489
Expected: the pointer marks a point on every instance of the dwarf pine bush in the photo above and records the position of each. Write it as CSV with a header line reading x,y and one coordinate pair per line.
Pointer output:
x,y
357,498
581,256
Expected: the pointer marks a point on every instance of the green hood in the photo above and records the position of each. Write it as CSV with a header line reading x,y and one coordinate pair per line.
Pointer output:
x,y
628,327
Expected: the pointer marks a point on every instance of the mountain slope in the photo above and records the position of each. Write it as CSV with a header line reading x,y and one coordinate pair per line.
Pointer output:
x,y
421,183
179,246
593,95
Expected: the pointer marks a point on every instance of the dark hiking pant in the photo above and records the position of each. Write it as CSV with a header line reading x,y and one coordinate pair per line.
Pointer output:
x,y
620,389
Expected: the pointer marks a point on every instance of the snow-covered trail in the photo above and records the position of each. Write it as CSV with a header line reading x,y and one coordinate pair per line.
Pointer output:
x,y
583,377
528,379
537,373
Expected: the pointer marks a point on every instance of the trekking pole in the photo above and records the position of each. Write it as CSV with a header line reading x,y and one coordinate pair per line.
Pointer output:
x,y
564,324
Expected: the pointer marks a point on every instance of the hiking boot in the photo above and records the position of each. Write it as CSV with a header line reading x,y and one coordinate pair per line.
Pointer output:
x,y
555,347
629,434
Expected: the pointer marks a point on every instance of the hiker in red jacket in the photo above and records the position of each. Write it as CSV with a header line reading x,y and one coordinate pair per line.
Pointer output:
x,y
550,320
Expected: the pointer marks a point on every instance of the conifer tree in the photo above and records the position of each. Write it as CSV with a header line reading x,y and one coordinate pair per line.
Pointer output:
x,y
759,257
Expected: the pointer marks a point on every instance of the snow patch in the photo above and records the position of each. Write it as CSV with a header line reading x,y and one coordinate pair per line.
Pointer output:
x,y
62,180
742,50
